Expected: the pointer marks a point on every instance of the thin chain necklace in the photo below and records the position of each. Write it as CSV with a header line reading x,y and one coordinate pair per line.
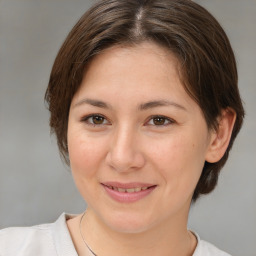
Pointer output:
x,y
88,247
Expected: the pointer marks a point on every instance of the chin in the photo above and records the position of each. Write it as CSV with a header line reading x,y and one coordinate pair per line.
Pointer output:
x,y
129,228
128,224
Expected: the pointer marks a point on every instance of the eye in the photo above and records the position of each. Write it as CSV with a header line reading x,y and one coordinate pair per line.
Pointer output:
x,y
95,120
160,121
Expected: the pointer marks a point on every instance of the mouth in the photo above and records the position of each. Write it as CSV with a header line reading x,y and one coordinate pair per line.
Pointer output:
x,y
129,190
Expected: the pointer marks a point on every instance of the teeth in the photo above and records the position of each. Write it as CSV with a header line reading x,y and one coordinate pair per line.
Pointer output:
x,y
128,190
121,189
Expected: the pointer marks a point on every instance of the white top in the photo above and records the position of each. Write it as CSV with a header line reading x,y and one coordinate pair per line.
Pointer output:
x,y
54,240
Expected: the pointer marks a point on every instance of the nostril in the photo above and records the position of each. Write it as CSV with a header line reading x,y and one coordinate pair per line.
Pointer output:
x,y
125,161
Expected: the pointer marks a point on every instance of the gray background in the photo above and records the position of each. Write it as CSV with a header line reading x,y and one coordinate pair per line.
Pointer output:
x,y
35,187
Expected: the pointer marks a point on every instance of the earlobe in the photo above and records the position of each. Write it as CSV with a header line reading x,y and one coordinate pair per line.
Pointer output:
x,y
220,138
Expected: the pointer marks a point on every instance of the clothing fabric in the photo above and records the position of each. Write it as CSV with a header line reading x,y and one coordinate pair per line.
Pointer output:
x,y
54,240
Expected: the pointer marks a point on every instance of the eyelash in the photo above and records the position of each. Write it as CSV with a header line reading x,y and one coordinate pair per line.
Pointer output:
x,y
151,118
87,118
169,120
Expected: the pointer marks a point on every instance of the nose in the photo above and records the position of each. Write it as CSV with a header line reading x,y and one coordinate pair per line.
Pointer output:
x,y
124,153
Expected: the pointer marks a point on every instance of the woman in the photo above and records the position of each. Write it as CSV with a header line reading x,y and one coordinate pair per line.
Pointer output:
x,y
144,102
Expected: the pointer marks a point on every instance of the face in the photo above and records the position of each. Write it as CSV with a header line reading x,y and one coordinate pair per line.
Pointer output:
x,y
137,142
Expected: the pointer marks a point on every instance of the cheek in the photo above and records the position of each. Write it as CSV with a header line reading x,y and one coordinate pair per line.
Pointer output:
x,y
86,157
84,154
180,161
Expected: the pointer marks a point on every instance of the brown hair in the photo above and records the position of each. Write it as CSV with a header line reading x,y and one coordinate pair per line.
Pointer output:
x,y
208,66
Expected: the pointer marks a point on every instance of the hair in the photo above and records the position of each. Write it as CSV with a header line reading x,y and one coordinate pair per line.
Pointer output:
x,y
190,32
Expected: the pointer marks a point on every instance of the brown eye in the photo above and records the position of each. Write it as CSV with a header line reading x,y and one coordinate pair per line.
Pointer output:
x,y
95,120
98,120
159,120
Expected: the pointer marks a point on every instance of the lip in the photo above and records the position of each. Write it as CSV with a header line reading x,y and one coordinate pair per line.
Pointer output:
x,y
127,185
125,197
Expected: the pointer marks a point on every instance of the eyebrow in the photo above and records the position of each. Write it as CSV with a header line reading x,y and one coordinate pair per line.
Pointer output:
x,y
96,103
143,106
160,103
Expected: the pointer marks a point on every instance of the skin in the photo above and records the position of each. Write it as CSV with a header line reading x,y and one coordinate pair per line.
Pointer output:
x,y
126,142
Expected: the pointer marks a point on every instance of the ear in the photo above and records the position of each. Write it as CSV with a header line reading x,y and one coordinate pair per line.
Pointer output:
x,y
219,139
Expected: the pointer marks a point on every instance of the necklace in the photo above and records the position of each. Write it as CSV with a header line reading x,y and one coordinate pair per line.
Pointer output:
x,y
80,229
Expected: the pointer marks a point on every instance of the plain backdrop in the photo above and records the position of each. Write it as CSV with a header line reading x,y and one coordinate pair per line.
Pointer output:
x,y
36,187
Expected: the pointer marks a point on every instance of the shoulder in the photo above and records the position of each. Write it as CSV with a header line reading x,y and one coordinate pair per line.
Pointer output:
x,y
26,240
207,249
45,239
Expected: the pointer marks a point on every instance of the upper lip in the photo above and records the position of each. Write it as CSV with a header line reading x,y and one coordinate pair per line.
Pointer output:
x,y
127,185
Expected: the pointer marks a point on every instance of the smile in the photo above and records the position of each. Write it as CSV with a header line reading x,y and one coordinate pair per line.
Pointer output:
x,y
127,190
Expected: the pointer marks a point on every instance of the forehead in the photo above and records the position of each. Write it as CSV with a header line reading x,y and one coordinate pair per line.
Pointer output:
x,y
145,72
145,53
133,64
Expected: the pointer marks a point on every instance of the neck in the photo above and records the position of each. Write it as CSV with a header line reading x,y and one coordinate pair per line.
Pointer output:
x,y
167,238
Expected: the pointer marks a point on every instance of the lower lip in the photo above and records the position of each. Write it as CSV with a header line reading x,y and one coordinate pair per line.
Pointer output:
x,y
124,197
